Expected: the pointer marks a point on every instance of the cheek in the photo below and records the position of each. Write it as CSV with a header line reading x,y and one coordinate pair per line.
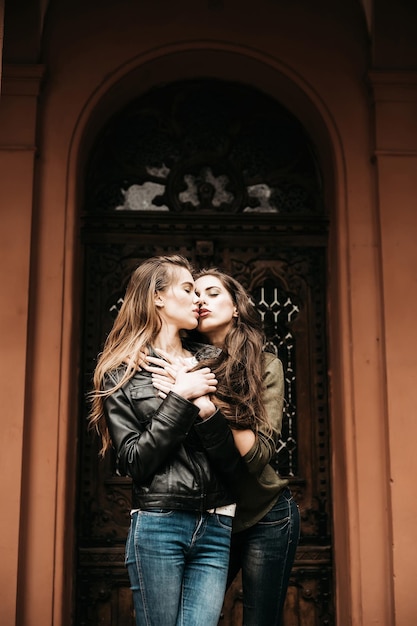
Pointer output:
x,y
187,302
226,311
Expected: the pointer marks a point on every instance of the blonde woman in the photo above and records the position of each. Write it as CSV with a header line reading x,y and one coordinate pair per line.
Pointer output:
x,y
177,550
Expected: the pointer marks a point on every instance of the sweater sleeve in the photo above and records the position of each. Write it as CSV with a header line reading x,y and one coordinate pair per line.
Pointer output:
x,y
265,444
217,440
141,449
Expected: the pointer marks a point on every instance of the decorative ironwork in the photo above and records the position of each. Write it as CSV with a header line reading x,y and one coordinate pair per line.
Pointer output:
x,y
191,148
278,310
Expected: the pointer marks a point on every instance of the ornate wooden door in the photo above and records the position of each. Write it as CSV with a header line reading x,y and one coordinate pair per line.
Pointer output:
x,y
224,176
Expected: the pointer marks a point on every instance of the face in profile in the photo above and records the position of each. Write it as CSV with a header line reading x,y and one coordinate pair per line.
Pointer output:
x,y
178,304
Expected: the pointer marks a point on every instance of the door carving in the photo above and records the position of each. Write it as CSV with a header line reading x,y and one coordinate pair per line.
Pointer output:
x,y
259,217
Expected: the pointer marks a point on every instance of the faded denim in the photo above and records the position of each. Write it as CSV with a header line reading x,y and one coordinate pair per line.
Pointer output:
x,y
177,563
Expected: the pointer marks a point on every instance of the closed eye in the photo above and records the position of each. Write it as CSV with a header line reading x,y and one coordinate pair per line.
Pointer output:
x,y
188,287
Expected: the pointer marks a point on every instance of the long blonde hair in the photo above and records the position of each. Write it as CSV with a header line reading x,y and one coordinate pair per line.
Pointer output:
x,y
239,367
135,328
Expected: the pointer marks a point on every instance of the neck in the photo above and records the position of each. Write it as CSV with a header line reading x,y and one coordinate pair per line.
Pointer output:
x,y
215,339
169,341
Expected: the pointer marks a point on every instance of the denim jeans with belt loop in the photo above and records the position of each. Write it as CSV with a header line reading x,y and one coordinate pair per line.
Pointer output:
x,y
177,563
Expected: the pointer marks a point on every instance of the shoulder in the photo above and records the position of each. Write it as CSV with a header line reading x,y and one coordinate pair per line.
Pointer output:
x,y
273,370
271,362
113,378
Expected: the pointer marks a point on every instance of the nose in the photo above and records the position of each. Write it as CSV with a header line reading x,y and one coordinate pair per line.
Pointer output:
x,y
196,299
201,300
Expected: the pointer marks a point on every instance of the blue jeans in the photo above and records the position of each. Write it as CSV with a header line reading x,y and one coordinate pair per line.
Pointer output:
x,y
177,563
266,553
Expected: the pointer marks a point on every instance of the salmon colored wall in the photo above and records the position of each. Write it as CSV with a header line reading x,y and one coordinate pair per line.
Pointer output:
x,y
17,143
97,57
396,153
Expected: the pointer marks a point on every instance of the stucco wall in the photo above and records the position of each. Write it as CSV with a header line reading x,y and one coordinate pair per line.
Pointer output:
x,y
396,154
17,152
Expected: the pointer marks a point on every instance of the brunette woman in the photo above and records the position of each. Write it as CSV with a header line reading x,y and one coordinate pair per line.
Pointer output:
x,y
250,393
177,550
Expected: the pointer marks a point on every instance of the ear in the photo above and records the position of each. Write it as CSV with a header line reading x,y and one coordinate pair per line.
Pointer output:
x,y
158,299
235,312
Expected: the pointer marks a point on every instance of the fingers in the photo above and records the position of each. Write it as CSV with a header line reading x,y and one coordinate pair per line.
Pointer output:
x,y
164,355
193,384
160,366
141,359
157,371
137,361
206,372
161,382
156,361
197,383
162,386
189,384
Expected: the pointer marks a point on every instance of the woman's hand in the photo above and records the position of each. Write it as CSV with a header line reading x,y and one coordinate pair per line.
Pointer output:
x,y
163,382
167,369
138,361
206,406
192,385
176,377
164,373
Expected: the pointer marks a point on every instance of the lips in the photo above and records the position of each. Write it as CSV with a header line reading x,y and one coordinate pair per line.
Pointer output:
x,y
204,312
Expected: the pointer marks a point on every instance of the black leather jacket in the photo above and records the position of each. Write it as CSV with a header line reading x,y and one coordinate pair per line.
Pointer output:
x,y
158,446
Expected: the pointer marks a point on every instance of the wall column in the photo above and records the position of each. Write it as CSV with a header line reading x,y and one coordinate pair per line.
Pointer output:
x,y
395,95
18,112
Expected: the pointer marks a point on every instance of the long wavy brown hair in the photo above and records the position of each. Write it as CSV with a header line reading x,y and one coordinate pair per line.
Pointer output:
x,y
239,366
136,327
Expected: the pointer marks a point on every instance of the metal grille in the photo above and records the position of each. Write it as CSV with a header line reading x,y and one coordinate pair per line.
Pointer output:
x,y
278,310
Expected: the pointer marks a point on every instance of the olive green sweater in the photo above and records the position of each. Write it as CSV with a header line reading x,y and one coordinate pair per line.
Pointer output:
x,y
262,485
253,480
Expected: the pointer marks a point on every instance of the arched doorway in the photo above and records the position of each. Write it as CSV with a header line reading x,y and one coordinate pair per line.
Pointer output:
x,y
223,174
